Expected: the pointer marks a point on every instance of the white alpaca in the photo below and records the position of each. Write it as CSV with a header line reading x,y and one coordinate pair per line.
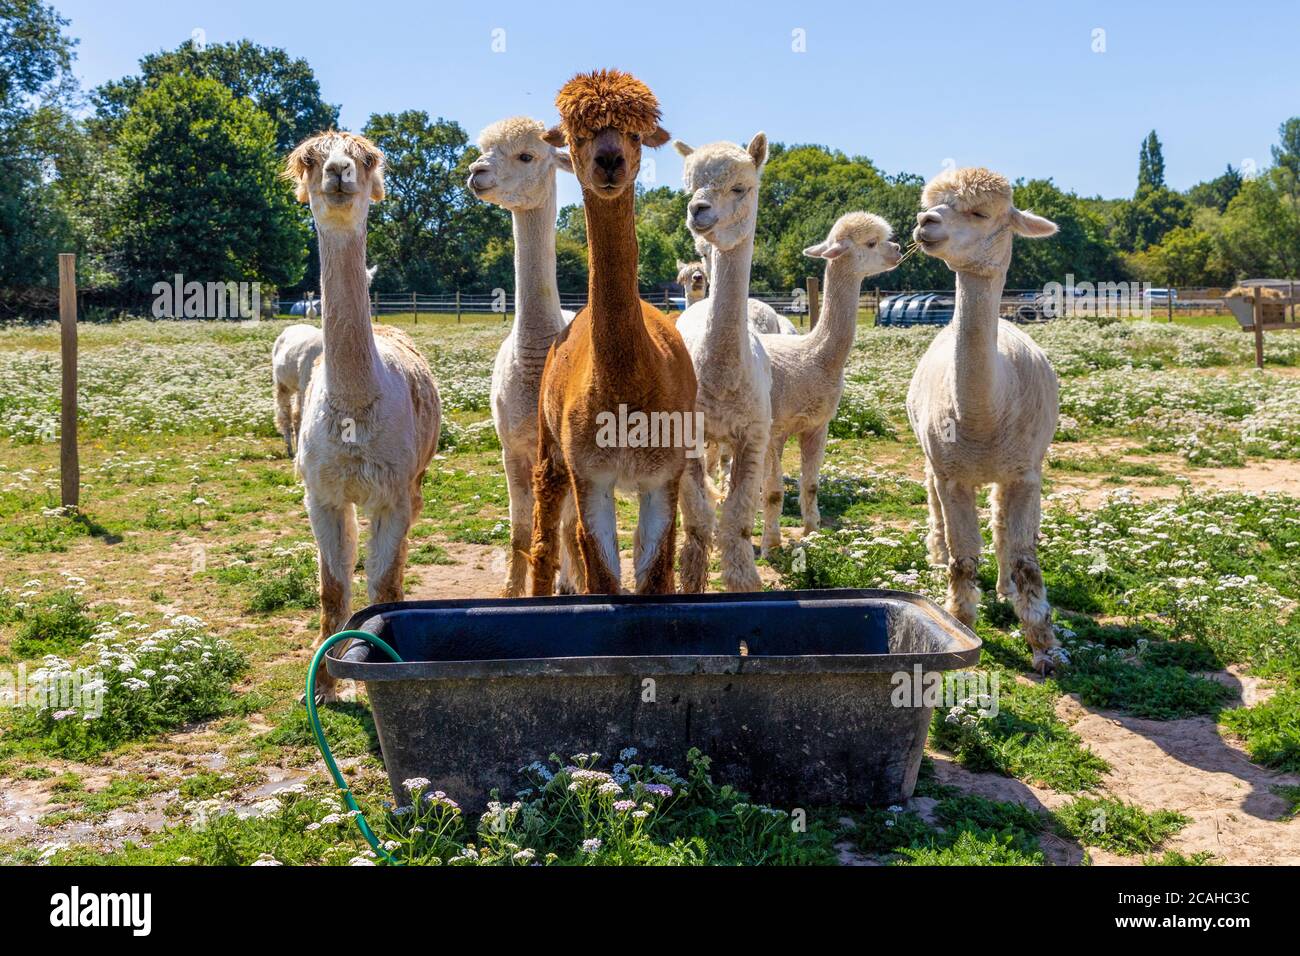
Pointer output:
x,y
517,171
693,280
808,371
983,404
731,367
292,357
371,420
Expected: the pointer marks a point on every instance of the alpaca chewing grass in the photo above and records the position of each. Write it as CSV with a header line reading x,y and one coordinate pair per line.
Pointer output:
x,y
983,405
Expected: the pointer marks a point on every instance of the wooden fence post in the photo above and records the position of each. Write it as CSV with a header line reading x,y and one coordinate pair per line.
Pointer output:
x,y
415,308
813,303
69,463
1171,304
458,306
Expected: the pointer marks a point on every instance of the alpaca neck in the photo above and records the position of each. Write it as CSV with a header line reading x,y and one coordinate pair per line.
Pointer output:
x,y
351,357
832,340
975,322
537,300
618,331
726,329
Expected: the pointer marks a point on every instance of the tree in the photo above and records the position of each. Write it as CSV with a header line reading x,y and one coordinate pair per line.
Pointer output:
x,y
202,193
1187,256
1216,193
282,87
656,256
1080,248
1261,229
1151,163
429,233
35,80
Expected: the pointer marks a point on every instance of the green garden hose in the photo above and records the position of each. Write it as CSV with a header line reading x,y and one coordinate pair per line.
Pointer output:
x,y
314,719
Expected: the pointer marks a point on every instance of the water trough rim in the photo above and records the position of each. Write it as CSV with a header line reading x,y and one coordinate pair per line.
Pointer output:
x,y
354,664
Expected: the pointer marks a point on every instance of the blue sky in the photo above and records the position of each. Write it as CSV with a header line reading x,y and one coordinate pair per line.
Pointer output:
x,y
1015,86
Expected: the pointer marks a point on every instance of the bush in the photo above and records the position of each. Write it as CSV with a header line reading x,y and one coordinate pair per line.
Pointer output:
x,y
138,686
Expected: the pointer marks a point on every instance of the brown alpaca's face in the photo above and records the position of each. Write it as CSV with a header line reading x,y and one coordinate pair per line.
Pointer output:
x,y
339,175
607,163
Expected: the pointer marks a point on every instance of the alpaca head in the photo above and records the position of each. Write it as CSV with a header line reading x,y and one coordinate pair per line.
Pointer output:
x,y
722,179
605,118
860,241
517,166
968,221
691,277
339,174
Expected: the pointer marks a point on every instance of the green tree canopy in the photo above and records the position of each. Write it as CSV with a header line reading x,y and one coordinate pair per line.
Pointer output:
x,y
1151,163
282,87
429,233
35,77
202,194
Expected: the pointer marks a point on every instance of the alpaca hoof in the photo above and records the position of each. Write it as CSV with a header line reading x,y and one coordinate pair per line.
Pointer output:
x,y
565,587
1044,664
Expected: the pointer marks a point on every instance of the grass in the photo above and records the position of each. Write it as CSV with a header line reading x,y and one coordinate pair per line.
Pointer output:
x,y
1117,826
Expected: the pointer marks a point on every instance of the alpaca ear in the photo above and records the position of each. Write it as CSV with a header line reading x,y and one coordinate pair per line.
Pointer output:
x,y
1030,226
657,138
826,249
564,162
377,184
682,148
554,137
680,265
758,149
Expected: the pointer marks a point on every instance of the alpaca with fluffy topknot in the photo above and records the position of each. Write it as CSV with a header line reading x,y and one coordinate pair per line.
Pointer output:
x,y
983,404
619,356
808,370
516,170
372,414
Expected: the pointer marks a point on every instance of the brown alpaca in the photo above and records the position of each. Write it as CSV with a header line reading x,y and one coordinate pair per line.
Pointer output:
x,y
619,351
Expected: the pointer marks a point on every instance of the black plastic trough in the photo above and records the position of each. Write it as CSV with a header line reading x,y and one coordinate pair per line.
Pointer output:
x,y
789,692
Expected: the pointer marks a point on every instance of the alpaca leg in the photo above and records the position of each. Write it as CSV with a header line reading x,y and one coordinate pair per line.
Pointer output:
x,y
550,488
962,531
812,449
1021,504
725,465
386,552
998,525
299,403
335,529
697,505
572,578
519,475
655,542
736,529
935,541
773,496
597,534
284,416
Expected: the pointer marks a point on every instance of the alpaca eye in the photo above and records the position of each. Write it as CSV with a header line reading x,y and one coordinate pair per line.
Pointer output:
x,y
739,190
871,244
525,157
979,215
636,137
